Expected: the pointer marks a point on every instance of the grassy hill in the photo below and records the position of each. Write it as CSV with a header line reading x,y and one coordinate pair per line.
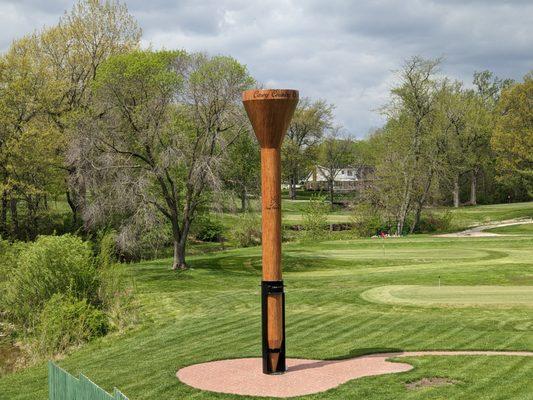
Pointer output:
x,y
212,312
524,229
465,217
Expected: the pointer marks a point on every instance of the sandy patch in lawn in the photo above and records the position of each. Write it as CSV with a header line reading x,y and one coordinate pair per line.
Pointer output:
x,y
244,376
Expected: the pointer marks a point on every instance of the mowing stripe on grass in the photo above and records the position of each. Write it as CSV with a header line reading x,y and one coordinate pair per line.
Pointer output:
x,y
452,296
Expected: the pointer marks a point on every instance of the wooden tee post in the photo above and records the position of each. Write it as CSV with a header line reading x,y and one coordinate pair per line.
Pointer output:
x,y
270,112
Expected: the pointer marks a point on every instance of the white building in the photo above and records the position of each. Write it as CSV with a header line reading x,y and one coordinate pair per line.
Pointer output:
x,y
345,179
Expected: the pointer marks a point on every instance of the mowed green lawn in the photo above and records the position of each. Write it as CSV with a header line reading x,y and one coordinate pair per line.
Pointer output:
x,y
213,312
463,217
292,213
294,210
524,229
467,216
452,296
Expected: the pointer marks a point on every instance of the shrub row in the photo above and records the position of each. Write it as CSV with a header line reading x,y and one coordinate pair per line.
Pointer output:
x,y
58,293
50,265
365,222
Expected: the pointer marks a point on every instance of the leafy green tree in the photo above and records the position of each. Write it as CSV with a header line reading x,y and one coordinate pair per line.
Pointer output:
x,y
487,92
72,53
241,168
453,112
152,147
310,122
465,126
28,147
44,82
411,112
513,133
315,218
334,153
489,87
385,193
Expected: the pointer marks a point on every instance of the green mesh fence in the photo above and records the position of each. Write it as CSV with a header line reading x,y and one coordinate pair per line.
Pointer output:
x,y
63,386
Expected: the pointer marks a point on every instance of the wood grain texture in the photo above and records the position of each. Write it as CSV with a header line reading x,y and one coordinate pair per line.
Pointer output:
x,y
271,213
270,112
275,327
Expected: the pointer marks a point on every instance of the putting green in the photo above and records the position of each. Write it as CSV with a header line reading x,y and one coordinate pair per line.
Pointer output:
x,y
452,296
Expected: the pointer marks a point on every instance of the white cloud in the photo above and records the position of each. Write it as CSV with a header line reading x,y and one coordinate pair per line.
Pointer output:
x,y
341,51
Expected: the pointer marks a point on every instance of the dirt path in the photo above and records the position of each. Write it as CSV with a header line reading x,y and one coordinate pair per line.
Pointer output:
x,y
478,231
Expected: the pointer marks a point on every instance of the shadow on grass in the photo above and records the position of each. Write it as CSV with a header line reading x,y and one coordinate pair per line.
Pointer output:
x,y
354,353
364,352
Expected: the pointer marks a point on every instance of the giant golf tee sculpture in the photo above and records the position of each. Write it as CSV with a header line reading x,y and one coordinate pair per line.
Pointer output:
x,y
270,112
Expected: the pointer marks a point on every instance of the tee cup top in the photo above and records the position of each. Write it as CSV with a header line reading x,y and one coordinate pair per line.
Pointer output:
x,y
270,112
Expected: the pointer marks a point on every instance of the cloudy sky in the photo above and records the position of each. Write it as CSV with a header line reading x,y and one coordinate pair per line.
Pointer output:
x,y
345,52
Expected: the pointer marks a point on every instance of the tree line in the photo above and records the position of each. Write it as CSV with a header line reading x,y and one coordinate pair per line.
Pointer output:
x,y
131,138
441,137
144,141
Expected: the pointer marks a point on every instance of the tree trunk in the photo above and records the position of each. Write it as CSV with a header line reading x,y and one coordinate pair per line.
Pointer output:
x,y
3,217
243,199
32,206
76,194
416,220
399,225
73,207
420,203
179,255
14,215
331,193
456,200
180,240
292,188
401,221
404,207
473,188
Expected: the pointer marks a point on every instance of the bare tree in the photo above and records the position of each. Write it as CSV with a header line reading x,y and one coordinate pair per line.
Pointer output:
x,y
334,153
241,168
159,127
71,53
311,120
414,104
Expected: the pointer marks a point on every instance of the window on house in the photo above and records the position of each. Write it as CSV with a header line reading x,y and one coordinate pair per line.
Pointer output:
x,y
350,173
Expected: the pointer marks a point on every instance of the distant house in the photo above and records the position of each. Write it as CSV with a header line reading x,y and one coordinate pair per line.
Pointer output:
x,y
346,179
